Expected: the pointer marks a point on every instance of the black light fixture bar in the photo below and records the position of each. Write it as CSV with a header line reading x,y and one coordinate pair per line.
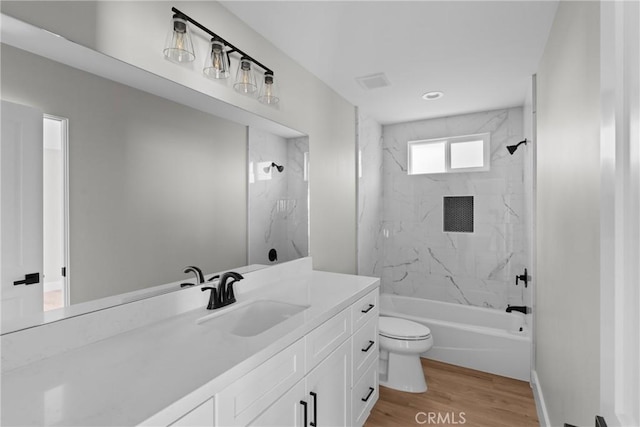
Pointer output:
x,y
214,35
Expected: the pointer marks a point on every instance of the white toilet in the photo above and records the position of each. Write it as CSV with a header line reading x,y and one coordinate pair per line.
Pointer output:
x,y
401,343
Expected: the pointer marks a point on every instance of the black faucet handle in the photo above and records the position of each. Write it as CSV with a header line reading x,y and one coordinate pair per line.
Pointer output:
x,y
231,298
524,278
217,276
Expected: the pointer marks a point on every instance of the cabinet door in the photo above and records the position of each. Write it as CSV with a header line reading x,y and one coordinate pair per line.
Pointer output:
x,y
252,394
286,411
329,389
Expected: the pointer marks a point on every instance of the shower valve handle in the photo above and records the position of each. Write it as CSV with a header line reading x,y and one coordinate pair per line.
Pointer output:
x,y
524,278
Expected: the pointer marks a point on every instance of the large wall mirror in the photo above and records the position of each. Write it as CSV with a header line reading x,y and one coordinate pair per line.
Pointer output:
x,y
142,178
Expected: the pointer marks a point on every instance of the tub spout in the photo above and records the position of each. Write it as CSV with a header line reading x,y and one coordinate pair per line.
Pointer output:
x,y
521,308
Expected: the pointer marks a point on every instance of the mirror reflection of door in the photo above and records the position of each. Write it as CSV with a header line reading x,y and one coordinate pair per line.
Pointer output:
x,y
21,233
33,211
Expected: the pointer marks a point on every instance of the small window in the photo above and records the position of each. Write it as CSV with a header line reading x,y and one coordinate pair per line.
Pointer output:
x,y
468,153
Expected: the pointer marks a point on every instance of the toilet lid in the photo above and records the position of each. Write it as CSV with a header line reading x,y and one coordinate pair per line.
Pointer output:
x,y
394,327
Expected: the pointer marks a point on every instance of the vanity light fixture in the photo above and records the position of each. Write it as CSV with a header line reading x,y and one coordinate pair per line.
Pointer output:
x,y
217,64
268,90
245,80
179,48
433,95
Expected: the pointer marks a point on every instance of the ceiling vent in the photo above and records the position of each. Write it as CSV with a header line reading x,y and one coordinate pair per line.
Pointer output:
x,y
374,81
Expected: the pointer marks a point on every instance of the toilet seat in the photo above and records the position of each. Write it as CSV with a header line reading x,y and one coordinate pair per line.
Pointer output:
x,y
402,329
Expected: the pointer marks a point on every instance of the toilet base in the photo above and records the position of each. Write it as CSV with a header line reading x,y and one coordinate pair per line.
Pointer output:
x,y
404,373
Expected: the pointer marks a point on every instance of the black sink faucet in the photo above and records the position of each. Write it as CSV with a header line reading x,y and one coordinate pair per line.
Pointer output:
x,y
197,272
223,295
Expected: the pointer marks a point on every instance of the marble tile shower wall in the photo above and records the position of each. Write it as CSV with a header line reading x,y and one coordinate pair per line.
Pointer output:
x,y
419,259
278,209
298,191
369,197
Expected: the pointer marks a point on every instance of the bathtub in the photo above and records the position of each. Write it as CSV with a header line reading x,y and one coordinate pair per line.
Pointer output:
x,y
478,338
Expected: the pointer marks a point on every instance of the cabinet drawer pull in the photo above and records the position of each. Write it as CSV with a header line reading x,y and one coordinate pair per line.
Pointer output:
x,y
371,390
368,309
314,423
371,343
304,405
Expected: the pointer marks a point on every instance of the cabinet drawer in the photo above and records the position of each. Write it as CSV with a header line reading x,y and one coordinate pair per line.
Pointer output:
x,y
364,309
201,416
365,394
364,348
327,337
246,398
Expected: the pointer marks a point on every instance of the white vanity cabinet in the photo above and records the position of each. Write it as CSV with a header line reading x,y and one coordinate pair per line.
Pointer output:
x,y
345,383
326,383
328,377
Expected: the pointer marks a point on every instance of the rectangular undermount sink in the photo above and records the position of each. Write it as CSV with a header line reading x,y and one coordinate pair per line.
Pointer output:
x,y
253,318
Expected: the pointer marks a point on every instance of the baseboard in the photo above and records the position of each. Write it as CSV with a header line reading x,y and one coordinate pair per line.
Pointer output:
x,y
541,408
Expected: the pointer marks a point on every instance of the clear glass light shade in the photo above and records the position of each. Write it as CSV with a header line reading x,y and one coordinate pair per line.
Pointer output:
x,y
245,79
178,46
268,91
217,64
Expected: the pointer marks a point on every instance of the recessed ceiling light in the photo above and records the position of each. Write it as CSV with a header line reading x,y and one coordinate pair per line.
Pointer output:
x,y
430,96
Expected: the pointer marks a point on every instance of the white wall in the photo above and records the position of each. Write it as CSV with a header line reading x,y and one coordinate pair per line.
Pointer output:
x,y
568,218
135,33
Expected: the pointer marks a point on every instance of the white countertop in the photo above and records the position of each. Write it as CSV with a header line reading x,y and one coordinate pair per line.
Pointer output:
x,y
154,374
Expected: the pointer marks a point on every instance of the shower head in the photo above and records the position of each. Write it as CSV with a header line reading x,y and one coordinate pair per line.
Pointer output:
x,y
280,168
512,148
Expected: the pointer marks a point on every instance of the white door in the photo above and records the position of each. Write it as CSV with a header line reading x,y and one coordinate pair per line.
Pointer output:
x,y
21,211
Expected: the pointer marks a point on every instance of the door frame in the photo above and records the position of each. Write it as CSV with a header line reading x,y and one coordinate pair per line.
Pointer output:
x,y
65,172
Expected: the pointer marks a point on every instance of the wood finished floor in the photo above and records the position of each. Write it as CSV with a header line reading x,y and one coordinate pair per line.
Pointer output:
x,y
487,401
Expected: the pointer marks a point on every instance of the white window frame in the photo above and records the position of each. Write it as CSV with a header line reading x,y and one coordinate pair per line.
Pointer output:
x,y
486,142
